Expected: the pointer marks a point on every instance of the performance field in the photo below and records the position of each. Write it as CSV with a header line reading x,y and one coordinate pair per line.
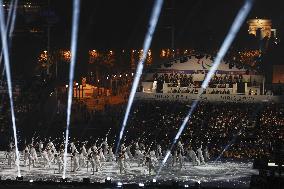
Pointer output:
x,y
158,94
228,173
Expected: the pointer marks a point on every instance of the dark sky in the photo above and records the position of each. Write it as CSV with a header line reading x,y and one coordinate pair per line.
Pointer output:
x,y
110,24
114,24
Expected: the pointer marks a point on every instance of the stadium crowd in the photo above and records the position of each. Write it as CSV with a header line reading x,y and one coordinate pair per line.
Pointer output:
x,y
186,80
245,130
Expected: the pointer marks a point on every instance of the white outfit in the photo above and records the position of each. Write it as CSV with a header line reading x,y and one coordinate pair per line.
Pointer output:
x,y
59,162
206,154
34,154
193,157
111,154
26,155
200,156
102,157
76,162
45,158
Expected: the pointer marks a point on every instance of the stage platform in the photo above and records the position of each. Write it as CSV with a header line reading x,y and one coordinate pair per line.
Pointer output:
x,y
229,173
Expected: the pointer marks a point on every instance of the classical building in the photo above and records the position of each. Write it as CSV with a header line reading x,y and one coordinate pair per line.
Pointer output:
x,y
263,25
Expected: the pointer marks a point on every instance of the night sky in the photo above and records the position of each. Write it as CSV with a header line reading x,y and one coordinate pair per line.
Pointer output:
x,y
110,24
106,24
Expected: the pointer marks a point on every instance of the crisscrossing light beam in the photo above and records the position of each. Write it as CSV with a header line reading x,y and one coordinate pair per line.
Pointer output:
x,y
240,18
147,42
74,36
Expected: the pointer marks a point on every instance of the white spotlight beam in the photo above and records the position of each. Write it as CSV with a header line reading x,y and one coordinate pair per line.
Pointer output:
x,y
240,18
14,14
10,25
7,25
228,146
9,81
147,42
75,24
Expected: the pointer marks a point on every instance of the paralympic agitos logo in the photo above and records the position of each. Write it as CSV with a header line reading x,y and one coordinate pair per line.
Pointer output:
x,y
204,65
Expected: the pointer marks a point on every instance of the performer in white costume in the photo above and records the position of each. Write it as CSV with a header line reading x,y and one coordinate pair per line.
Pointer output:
x,y
200,155
193,157
206,154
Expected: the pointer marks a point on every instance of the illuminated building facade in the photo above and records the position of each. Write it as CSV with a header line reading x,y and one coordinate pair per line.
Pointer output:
x,y
263,25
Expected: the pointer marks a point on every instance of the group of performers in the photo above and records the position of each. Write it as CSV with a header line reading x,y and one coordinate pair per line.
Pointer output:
x,y
93,156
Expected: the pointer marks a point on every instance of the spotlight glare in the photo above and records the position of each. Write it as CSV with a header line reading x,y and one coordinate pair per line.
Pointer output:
x,y
242,14
5,49
119,184
147,42
154,180
141,184
186,186
74,36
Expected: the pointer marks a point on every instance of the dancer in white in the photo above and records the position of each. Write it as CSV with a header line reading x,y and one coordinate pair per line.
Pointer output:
x,y
40,147
33,156
50,154
97,161
59,162
51,146
159,151
90,150
180,147
11,156
128,151
149,163
121,163
83,156
102,157
105,147
206,154
76,161
91,158
200,155
140,157
153,157
34,153
45,158
174,158
136,150
26,155
73,147
180,160
111,154
193,157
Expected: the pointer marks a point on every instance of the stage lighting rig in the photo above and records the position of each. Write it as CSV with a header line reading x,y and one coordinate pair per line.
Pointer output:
x,y
141,185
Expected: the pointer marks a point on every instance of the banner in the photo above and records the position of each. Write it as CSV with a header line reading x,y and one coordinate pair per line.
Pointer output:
x,y
209,97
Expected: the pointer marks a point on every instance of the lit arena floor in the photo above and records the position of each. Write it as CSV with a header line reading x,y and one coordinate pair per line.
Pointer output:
x,y
233,174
